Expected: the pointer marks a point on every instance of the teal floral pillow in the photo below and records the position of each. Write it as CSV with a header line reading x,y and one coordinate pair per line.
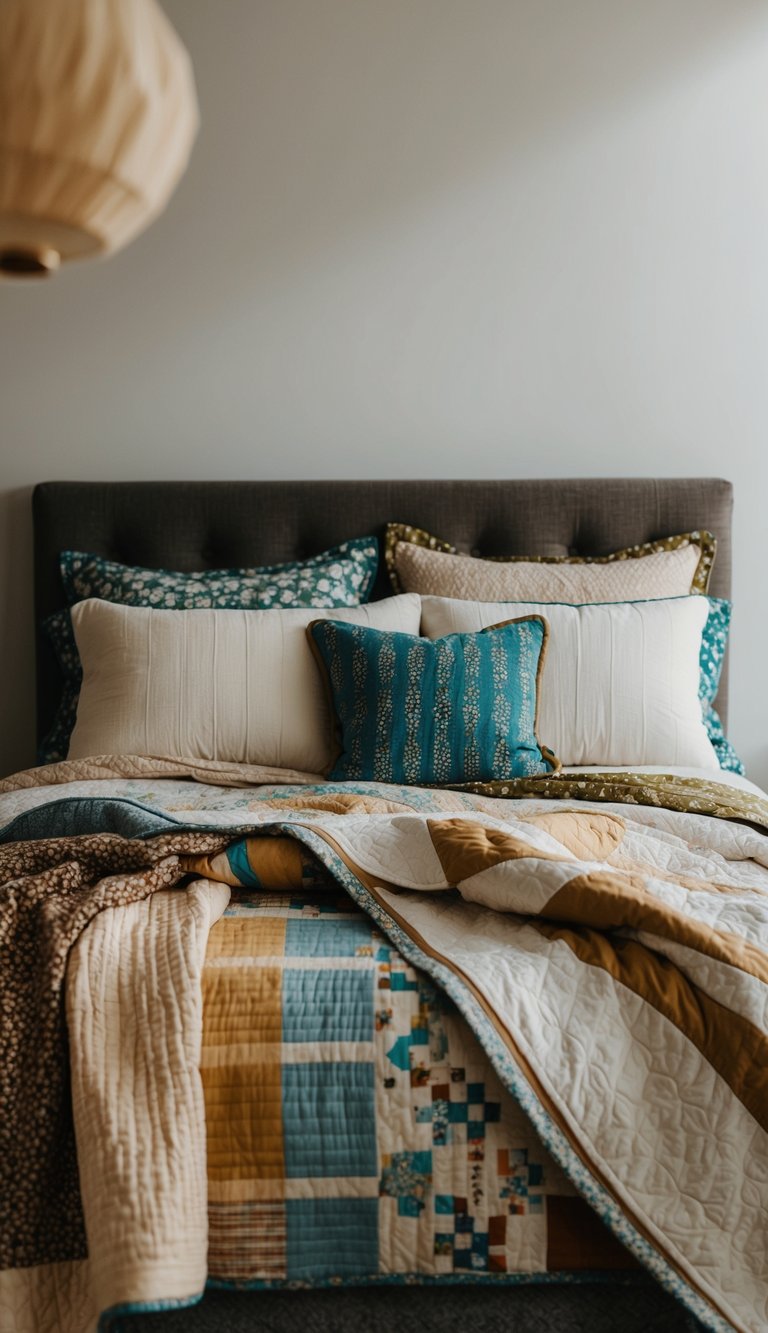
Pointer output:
x,y
342,576
714,641
424,712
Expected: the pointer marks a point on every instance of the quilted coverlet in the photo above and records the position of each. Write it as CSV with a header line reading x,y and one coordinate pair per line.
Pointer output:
x,y
602,959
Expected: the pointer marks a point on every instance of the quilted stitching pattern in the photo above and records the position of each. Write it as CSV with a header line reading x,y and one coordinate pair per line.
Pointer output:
x,y
620,1067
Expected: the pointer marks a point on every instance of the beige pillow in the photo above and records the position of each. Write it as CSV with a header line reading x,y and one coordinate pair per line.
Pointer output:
x,y
671,567
620,683
240,686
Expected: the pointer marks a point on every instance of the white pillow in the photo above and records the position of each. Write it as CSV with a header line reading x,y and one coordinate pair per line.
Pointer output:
x,y
211,684
620,683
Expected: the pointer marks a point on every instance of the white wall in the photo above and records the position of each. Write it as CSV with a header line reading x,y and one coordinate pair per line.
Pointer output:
x,y
426,237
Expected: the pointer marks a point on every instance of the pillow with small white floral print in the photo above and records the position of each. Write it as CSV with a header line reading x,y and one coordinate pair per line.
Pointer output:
x,y
341,576
714,642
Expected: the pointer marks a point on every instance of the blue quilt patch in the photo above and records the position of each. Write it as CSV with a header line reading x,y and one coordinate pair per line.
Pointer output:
x,y
332,1237
329,1120
331,1005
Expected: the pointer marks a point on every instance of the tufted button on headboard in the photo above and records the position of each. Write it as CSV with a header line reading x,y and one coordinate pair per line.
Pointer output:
x,y
207,525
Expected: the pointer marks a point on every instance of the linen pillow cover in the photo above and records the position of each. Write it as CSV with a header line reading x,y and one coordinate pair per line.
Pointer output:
x,y
620,685
410,711
239,686
341,576
670,567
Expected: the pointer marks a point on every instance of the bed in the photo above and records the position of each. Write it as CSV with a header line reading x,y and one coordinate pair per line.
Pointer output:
x,y
492,1206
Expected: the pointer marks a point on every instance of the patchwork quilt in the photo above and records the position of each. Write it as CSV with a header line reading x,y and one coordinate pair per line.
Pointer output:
x,y
356,1128
428,1031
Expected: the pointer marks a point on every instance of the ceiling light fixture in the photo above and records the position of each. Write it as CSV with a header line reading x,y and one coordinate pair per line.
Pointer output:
x,y
98,115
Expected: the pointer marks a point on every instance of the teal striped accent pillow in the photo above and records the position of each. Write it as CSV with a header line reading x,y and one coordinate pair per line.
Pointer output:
x,y
424,712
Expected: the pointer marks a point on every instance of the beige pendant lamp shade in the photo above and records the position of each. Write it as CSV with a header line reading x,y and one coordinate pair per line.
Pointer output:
x,y
97,119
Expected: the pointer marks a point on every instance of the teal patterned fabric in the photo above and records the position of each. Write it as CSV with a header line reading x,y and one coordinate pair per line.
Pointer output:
x,y
714,641
428,712
342,576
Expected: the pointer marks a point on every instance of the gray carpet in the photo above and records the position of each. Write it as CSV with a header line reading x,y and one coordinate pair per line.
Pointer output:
x,y
641,1308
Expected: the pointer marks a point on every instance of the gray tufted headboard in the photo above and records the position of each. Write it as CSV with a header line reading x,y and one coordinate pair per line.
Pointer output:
x,y
204,525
